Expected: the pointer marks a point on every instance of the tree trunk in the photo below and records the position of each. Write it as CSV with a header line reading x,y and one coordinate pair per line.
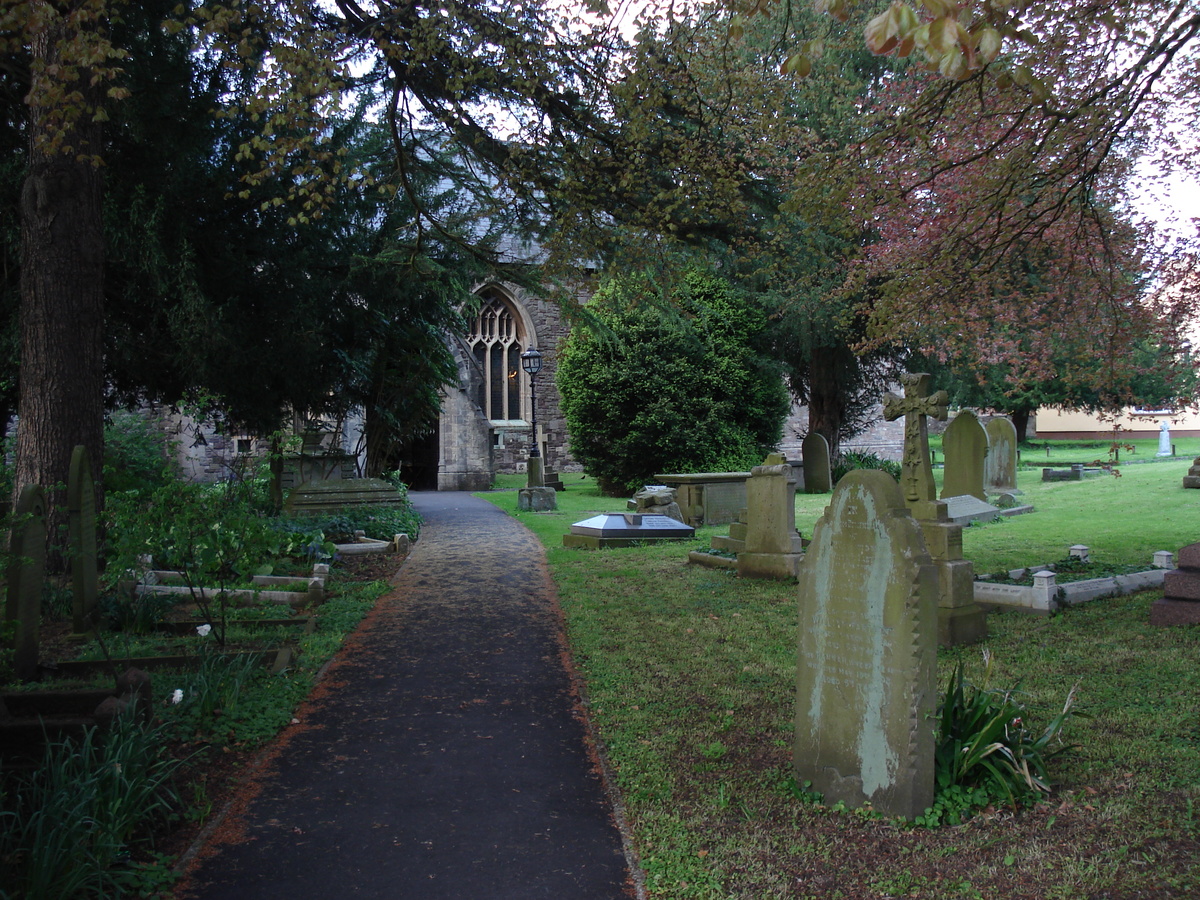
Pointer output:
x,y
1020,420
826,402
62,301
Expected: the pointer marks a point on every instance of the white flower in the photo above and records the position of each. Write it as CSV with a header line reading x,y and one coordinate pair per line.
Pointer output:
x,y
177,697
203,630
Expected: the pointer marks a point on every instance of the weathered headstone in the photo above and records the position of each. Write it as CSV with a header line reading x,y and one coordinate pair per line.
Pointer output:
x,y
1001,466
26,575
537,499
814,450
960,619
865,685
965,445
1164,439
81,528
773,547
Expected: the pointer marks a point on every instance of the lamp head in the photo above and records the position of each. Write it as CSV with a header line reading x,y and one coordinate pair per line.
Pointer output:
x,y
531,361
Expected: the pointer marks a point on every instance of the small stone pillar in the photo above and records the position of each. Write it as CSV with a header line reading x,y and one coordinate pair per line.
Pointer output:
x,y
1045,591
533,469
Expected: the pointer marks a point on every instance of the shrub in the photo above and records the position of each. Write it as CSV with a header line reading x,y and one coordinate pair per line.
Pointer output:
x,y
852,459
206,532
680,389
137,455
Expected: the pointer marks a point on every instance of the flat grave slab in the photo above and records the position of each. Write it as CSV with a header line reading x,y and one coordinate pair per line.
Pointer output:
x,y
966,509
323,497
624,529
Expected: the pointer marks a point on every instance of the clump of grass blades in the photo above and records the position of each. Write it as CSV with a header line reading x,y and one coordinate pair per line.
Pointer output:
x,y
212,691
68,825
986,749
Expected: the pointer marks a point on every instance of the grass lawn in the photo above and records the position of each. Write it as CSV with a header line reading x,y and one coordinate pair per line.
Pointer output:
x,y
689,674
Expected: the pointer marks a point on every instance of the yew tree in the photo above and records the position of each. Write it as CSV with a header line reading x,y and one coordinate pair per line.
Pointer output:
x,y
502,82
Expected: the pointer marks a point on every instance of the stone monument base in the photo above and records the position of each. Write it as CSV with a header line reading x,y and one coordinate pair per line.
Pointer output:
x,y
769,565
958,625
536,499
1165,611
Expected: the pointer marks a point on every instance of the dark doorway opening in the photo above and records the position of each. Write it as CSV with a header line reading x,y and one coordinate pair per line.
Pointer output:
x,y
419,462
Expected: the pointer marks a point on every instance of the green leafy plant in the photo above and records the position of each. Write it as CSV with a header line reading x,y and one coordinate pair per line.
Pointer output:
x,y
68,825
853,459
376,522
208,533
135,613
985,742
137,455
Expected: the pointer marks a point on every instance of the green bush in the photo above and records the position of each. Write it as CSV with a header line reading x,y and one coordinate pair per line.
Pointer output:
x,y
684,388
381,523
853,459
209,533
137,455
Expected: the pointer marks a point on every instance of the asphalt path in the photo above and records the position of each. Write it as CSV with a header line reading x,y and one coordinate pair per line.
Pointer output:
x,y
445,756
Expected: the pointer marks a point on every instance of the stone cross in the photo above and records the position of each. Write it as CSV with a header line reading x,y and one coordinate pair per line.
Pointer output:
x,y
916,472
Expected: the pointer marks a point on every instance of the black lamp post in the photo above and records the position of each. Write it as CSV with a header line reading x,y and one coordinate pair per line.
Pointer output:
x,y
531,362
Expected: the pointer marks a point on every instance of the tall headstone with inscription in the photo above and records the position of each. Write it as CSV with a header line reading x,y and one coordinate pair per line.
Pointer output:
x,y
81,523
960,619
773,548
965,445
866,669
818,477
26,575
1000,470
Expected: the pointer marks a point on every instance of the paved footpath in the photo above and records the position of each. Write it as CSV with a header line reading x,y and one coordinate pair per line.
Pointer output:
x,y
443,759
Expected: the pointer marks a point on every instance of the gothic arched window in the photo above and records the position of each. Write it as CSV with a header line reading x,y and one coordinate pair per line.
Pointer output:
x,y
497,343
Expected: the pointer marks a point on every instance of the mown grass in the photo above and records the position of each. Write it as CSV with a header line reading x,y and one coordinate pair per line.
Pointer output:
x,y
689,674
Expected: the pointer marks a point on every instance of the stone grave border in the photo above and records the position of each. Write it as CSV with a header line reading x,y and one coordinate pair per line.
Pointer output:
x,y
267,587
1046,596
